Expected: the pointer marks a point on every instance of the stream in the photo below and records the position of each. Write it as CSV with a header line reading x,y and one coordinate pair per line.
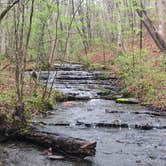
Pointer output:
x,y
126,134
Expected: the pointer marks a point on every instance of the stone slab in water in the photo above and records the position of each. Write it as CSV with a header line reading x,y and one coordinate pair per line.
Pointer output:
x,y
68,67
55,157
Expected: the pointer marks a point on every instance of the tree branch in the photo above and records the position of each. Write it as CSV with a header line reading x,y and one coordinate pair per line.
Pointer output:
x,y
5,11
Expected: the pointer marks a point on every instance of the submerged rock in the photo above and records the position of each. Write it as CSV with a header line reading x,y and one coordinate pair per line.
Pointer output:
x,y
144,127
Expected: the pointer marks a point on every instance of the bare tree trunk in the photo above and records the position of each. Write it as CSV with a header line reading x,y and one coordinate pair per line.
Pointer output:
x,y
119,26
3,42
70,26
17,54
160,9
3,34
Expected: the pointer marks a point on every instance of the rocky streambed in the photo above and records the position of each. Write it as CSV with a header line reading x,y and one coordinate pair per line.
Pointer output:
x,y
126,135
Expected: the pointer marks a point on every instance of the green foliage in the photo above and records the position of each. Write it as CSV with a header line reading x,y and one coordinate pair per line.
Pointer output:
x,y
2,58
103,75
26,130
86,60
44,66
8,97
59,96
145,79
37,103
104,92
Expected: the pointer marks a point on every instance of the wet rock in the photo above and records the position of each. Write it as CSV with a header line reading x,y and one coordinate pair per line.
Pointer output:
x,y
162,143
103,125
107,97
104,92
2,139
144,127
113,111
152,156
43,76
76,97
68,67
115,97
138,161
160,127
110,96
79,97
89,109
55,157
163,158
140,143
127,101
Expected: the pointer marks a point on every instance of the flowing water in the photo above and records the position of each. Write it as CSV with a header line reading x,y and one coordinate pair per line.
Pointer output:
x,y
94,118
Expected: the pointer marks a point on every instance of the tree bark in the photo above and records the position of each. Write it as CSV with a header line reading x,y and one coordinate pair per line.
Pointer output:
x,y
161,44
160,8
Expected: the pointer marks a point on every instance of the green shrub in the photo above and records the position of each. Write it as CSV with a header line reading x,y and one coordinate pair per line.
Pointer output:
x,y
59,96
36,103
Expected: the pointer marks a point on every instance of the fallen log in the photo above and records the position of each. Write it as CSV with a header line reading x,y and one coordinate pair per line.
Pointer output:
x,y
59,143
68,146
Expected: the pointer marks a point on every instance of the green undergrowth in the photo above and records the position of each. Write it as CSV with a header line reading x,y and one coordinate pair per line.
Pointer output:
x,y
37,104
143,77
8,98
87,62
60,97
33,101
103,75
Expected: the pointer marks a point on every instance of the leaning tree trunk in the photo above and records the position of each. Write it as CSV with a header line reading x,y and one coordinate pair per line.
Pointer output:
x,y
160,11
5,11
161,44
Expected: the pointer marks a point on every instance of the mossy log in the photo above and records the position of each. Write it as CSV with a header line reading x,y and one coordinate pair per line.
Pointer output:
x,y
127,101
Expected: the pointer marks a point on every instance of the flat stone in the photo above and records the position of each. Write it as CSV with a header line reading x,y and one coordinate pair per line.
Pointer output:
x,y
68,66
56,157
127,100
